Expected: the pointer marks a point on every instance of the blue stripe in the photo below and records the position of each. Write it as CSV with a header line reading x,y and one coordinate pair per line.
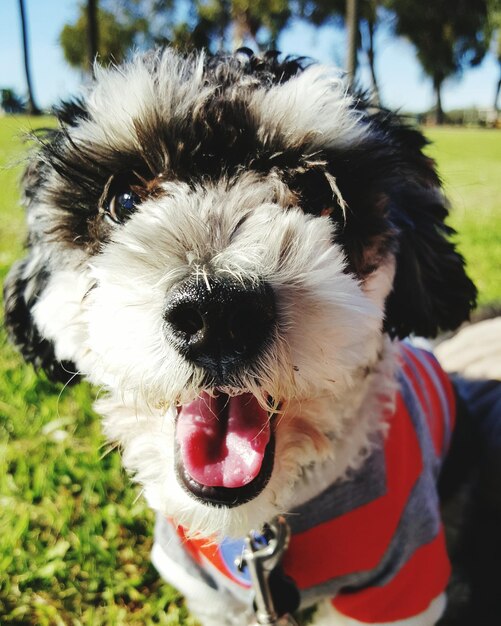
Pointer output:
x,y
446,407
418,417
417,375
360,487
419,525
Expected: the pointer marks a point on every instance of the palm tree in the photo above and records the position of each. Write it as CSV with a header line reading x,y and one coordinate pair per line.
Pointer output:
x,y
352,43
92,33
32,107
497,25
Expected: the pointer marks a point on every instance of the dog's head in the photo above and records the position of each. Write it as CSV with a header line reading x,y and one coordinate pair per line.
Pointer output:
x,y
223,244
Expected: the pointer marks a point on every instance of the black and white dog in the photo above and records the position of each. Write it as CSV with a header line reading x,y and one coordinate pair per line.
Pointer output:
x,y
233,247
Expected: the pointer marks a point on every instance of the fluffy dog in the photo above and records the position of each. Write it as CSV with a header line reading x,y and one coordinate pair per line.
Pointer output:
x,y
232,247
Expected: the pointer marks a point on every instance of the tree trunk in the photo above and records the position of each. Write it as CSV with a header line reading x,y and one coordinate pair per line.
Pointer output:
x,y
371,57
239,30
92,34
496,95
439,112
224,22
32,107
352,43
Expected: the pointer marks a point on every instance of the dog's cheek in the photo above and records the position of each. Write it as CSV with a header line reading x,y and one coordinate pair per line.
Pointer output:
x,y
124,330
378,284
60,314
126,335
331,330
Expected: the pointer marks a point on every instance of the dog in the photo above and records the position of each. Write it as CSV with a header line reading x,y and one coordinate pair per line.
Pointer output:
x,y
234,248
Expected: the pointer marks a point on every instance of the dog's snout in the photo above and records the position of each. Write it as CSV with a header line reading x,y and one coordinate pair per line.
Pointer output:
x,y
220,324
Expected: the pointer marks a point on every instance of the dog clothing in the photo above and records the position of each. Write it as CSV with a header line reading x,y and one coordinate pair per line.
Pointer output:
x,y
374,542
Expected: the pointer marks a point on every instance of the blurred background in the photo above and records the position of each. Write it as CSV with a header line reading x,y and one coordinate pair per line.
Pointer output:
x,y
75,535
421,57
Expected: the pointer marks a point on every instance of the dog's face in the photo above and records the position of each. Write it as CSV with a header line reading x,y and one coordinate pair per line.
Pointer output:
x,y
222,244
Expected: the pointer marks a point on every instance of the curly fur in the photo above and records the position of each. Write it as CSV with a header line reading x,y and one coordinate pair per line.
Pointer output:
x,y
247,169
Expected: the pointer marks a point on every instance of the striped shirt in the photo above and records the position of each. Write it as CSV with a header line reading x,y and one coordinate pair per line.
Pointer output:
x,y
373,543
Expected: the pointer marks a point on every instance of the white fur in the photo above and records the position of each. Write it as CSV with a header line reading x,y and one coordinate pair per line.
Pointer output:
x,y
124,94
328,332
315,106
60,315
380,282
328,362
192,232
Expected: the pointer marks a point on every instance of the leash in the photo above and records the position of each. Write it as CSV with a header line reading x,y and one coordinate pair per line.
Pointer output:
x,y
262,556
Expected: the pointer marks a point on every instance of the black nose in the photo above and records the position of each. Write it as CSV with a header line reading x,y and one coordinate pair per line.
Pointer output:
x,y
220,324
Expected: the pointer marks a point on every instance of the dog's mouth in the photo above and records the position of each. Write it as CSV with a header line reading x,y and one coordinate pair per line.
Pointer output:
x,y
224,448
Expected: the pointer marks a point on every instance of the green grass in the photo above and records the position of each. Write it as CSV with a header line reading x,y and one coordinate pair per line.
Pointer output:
x,y
75,535
469,162
12,151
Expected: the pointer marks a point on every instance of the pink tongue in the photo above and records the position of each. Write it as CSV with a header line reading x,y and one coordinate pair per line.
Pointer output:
x,y
223,439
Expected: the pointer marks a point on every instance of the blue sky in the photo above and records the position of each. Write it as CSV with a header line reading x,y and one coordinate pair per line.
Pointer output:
x,y
403,84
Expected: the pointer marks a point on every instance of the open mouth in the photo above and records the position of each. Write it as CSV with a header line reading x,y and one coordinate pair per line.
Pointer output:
x,y
224,448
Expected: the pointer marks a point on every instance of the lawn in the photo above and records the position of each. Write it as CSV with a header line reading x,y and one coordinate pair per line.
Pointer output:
x,y
75,536
469,162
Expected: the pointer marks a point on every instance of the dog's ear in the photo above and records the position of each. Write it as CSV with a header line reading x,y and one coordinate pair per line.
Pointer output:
x,y
431,291
24,285
22,288
395,207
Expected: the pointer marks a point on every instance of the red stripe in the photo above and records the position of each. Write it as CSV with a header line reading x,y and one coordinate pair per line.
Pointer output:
x,y
189,545
357,541
423,578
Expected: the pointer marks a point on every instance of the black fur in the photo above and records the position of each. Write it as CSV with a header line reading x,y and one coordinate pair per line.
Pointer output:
x,y
21,290
431,289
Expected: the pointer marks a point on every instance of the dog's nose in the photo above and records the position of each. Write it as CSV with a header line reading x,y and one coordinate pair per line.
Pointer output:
x,y
219,324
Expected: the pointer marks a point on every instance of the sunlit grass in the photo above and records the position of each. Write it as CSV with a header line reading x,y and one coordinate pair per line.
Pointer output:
x,y
469,161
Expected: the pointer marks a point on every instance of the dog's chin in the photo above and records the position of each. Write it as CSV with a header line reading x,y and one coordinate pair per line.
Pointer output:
x,y
224,448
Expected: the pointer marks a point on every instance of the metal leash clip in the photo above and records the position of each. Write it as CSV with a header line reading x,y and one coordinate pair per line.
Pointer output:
x,y
262,553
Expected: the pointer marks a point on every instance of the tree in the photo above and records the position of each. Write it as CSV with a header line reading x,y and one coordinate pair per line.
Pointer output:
x,y
321,12
498,54
217,25
352,32
495,20
32,107
449,36
92,33
115,39
10,102
261,21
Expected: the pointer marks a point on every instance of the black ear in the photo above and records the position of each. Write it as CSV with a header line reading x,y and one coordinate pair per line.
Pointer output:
x,y
432,291
395,206
27,280
23,286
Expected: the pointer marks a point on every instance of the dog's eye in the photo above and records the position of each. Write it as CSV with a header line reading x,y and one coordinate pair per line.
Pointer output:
x,y
119,207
